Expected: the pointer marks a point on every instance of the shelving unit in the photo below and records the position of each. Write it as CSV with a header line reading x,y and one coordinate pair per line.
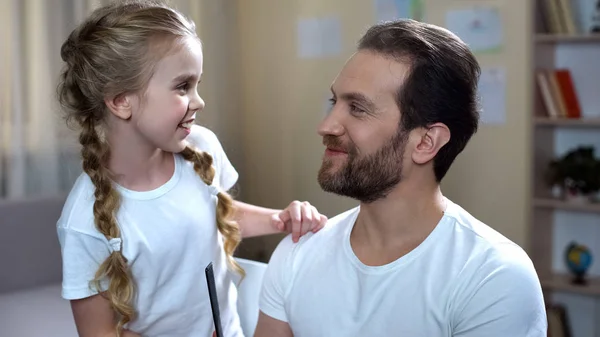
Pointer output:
x,y
562,282
552,203
555,221
573,123
565,38
543,203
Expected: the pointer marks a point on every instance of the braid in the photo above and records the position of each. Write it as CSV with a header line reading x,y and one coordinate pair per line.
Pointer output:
x,y
229,228
95,156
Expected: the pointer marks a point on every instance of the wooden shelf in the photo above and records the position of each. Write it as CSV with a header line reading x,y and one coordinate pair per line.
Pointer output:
x,y
548,142
562,282
568,122
565,205
561,38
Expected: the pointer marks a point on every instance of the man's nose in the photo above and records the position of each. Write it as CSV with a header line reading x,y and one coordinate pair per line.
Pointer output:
x,y
331,125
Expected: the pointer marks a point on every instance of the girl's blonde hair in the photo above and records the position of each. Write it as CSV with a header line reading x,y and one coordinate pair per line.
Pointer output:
x,y
114,52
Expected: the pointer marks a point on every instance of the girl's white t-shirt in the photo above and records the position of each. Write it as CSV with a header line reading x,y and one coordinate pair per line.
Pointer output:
x,y
169,236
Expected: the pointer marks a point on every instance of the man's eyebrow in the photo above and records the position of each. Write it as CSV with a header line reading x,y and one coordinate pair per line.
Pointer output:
x,y
357,97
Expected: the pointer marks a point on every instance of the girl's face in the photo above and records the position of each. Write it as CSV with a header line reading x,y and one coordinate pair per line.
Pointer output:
x,y
163,116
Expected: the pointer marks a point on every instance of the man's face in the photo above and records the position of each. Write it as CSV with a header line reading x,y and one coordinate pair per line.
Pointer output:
x,y
365,145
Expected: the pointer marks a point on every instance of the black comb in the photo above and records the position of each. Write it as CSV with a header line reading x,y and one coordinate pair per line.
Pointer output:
x,y
214,303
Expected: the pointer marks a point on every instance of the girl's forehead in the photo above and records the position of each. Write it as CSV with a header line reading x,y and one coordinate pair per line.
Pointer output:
x,y
183,58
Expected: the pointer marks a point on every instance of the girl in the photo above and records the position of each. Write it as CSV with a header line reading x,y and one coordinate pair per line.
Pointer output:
x,y
138,227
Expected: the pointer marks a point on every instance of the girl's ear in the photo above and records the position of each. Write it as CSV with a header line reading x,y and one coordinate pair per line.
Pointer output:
x,y
120,106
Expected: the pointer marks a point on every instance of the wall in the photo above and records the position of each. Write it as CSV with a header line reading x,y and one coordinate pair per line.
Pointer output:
x,y
220,81
283,100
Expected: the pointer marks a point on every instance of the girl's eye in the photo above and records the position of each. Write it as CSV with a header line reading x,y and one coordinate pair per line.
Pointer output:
x,y
183,87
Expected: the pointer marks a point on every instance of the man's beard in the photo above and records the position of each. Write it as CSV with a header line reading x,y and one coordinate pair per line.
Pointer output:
x,y
364,179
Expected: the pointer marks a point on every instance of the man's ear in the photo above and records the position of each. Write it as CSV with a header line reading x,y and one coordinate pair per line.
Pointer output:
x,y
432,139
120,106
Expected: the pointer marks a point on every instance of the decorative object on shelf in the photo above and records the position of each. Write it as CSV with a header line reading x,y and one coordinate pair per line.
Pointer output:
x,y
576,175
578,259
596,19
557,191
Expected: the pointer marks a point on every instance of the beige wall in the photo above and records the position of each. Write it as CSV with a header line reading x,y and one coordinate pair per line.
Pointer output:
x,y
220,87
282,99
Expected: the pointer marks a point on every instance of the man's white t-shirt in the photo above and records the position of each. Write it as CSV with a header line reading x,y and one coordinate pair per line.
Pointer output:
x,y
464,280
169,236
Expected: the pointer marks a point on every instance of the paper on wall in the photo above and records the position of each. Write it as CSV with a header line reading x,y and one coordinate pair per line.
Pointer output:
x,y
492,92
319,37
480,27
387,10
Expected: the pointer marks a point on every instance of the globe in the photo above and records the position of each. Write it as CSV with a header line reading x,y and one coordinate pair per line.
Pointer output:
x,y
579,259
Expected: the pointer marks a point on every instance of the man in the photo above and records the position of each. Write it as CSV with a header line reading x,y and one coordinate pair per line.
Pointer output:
x,y
407,262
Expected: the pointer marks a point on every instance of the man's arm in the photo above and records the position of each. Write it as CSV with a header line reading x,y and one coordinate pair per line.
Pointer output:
x,y
270,327
273,318
503,299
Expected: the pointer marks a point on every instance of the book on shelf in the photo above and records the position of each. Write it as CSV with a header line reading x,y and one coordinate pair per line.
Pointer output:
x,y
558,93
562,17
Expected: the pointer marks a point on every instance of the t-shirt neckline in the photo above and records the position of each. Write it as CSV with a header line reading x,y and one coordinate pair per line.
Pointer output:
x,y
439,229
157,192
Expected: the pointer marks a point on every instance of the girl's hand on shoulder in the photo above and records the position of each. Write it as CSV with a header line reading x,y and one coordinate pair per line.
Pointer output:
x,y
299,218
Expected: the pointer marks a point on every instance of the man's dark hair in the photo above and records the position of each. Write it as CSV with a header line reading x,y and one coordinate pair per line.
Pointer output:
x,y
441,86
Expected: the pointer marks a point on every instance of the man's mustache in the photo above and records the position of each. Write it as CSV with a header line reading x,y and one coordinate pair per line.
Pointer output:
x,y
335,143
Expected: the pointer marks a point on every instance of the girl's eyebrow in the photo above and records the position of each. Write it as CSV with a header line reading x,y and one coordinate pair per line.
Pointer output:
x,y
187,77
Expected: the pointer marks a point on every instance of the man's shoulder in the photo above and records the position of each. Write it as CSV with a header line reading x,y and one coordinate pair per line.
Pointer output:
x,y
475,231
493,277
485,249
331,233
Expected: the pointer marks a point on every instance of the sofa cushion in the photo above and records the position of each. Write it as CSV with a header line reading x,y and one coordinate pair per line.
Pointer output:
x,y
38,312
29,248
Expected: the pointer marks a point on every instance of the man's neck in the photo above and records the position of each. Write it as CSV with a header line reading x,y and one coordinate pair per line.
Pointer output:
x,y
393,226
136,164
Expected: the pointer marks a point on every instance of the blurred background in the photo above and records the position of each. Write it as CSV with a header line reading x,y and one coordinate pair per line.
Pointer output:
x,y
530,172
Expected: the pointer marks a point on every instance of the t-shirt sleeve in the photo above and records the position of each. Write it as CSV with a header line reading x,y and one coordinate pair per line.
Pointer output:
x,y
277,281
206,140
503,298
82,254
